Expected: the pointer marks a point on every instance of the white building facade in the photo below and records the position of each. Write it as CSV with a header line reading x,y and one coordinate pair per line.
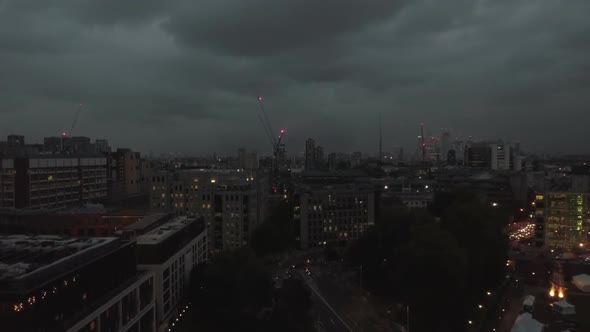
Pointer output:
x,y
171,252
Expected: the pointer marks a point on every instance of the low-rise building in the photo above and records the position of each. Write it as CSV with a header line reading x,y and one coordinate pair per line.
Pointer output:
x,y
53,283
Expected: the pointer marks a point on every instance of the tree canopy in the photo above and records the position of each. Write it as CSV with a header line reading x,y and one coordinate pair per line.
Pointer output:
x,y
235,292
441,269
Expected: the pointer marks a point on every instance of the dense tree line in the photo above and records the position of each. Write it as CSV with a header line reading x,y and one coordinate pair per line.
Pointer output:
x,y
235,292
441,267
277,233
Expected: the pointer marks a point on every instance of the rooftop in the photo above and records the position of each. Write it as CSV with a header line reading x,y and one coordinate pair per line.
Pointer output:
x,y
147,222
166,230
23,255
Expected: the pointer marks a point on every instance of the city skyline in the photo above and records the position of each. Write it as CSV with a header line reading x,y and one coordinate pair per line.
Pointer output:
x,y
181,77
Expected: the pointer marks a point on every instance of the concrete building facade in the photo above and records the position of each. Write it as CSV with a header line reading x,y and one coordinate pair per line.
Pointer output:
x,y
566,219
333,212
171,251
52,181
233,202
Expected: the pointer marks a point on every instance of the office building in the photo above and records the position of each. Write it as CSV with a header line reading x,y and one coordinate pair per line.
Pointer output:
x,y
445,143
171,251
356,159
52,181
451,158
319,157
147,170
78,145
314,156
478,155
310,153
53,144
508,190
102,146
233,202
15,140
7,182
15,146
333,208
567,220
248,160
51,284
501,156
332,161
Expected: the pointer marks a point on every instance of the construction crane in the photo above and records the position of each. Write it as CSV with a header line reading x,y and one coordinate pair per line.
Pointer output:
x,y
278,149
276,142
74,122
423,143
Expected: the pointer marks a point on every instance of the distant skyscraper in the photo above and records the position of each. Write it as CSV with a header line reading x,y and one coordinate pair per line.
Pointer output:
x,y
310,152
517,150
451,158
332,161
500,155
356,159
319,157
445,143
247,160
102,146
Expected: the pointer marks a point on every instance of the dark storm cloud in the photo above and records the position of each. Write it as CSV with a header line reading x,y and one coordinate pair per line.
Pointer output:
x,y
486,68
264,27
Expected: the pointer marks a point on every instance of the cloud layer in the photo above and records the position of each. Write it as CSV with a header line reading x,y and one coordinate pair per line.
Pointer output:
x,y
183,76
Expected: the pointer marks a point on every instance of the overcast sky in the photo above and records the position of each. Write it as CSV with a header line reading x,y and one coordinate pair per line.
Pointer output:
x,y
183,76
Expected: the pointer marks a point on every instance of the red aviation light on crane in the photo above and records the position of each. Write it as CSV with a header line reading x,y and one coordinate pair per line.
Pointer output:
x,y
64,134
282,131
259,98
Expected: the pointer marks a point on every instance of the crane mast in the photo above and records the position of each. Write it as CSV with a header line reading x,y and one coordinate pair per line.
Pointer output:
x,y
423,143
74,122
275,141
